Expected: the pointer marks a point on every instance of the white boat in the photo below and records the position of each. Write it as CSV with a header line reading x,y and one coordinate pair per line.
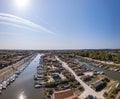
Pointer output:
x,y
0,91
102,73
8,82
1,86
12,78
4,85
17,72
38,86
39,76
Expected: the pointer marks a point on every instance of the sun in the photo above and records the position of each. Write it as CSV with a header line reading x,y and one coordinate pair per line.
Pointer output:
x,y
21,4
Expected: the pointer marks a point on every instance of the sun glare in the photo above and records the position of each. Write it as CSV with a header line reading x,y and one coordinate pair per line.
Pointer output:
x,y
21,4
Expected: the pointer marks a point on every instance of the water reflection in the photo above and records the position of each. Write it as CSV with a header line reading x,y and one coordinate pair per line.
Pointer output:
x,y
22,95
23,87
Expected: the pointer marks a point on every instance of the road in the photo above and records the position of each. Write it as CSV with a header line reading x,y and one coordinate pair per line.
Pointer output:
x,y
88,90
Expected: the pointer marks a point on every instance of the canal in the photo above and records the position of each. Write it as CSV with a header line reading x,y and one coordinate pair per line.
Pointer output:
x,y
112,74
23,87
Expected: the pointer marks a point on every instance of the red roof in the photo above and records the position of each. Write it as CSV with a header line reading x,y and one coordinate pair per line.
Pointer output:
x,y
64,94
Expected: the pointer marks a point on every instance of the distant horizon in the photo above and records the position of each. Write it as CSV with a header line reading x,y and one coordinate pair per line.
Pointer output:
x,y
67,49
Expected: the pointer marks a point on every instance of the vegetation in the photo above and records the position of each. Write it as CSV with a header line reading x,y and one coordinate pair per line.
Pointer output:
x,y
80,88
46,78
101,55
51,85
50,91
10,57
72,84
106,80
112,93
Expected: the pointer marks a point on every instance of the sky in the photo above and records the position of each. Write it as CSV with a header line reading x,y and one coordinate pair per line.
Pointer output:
x,y
59,24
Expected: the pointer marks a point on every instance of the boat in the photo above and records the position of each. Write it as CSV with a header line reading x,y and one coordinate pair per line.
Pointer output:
x,y
8,82
17,72
36,78
39,76
12,78
1,86
4,83
38,84
0,91
102,73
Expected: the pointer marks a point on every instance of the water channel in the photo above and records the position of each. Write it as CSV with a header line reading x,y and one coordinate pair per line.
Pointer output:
x,y
23,87
112,74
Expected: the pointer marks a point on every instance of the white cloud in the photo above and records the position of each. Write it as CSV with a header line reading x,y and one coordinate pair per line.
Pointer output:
x,y
17,21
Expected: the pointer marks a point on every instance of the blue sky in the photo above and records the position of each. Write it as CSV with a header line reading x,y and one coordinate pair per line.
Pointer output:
x,y
76,24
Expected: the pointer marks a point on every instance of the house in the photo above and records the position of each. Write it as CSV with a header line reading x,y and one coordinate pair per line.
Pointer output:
x,y
86,78
98,85
118,96
64,94
56,78
79,72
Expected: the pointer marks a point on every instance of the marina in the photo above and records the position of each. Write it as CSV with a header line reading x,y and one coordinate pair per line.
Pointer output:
x,y
112,74
23,85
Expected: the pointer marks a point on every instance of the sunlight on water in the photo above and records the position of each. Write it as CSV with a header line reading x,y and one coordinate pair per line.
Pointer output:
x,y
22,95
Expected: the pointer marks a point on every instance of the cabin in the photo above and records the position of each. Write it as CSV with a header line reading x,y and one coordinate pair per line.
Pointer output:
x,y
56,77
98,85
86,78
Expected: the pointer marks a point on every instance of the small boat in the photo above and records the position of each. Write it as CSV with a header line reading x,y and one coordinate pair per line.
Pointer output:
x,y
1,86
40,76
0,91
116,70
102,73
98,72
38,84
4,85
12,78
8,82
17,72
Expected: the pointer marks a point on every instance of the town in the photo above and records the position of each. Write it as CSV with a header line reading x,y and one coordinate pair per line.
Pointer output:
x,y
59,49
60,74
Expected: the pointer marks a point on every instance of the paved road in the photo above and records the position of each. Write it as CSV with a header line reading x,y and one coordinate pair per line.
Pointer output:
x,y
88,90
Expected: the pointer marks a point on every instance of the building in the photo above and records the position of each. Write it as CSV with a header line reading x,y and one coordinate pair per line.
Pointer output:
x,y
64,94
118,96
86,78
98,85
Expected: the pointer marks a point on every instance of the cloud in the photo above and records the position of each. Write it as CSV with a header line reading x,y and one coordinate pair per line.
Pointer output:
x,y
17,21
